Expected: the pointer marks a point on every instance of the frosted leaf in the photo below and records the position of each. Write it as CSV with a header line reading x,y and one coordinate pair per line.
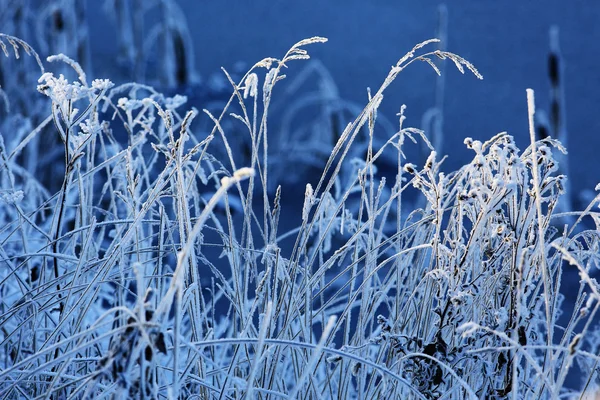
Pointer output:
x,y
46,76
460,298
13,197
90,127
334,359
590,302
468,329
74,112
127,104
592,282
15,42
102,84
372,107
269,82
431,63
72,63
501,316
438,274
327,213
314,39
430,161
243,173
240,174
171,103
309,200
60,90
410,168
265,63
298,57
459,62
425,43
79,140
147,102
251,86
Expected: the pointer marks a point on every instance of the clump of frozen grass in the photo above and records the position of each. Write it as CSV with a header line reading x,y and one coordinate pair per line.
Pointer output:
x,y
130,282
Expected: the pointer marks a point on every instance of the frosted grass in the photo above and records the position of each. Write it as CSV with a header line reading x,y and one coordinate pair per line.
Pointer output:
x,y
157,267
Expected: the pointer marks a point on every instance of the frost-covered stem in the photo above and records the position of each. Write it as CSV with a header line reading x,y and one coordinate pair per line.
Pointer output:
x,y
400,143
517,266
262,334
226,183
316,356
176,333
595,294
371,251
63,193
185,224
541,235
62,202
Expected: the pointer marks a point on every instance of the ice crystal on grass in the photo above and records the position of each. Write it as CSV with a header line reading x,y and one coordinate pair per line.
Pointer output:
x,y
172,264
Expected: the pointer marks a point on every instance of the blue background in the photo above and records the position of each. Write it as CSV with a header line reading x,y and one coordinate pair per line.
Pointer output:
x,y
506,40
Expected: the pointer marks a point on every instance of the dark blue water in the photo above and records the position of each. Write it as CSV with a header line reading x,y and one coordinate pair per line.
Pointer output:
x,y
507,41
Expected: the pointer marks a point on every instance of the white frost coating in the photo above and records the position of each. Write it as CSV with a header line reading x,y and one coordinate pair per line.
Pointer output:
x,y
239,175
243,173
102,84
467,329
251,85
530,101
72,63
308,201
13,197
